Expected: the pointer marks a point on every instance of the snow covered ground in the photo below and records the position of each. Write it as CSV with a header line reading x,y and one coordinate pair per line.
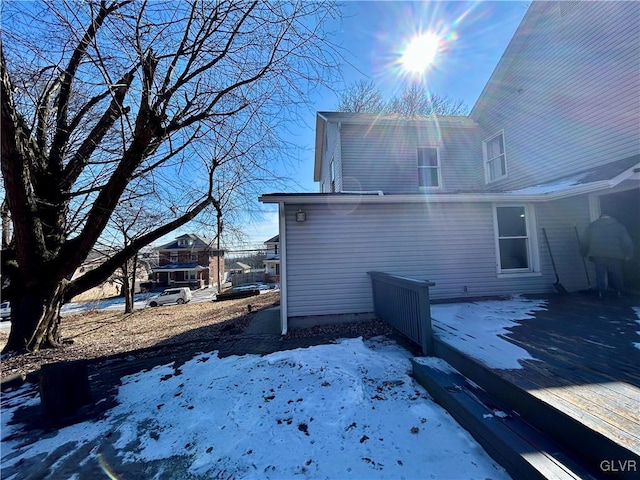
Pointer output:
x,y
140,302
348,410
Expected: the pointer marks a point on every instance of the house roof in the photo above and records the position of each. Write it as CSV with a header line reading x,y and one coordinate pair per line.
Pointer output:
x,y
275,239
616,171
587,181
322,118
199,242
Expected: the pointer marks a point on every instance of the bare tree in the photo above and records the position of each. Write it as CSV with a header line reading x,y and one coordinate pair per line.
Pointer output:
x,y
131,221
361,97
109,101
414,101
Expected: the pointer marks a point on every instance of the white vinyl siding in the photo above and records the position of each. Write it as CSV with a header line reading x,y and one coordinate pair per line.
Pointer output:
x,y
566,92
516,248
495,158
383,157
429,168
453,245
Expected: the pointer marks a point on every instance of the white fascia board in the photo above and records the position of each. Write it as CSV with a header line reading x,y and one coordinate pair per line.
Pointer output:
x,y
321,126
444,197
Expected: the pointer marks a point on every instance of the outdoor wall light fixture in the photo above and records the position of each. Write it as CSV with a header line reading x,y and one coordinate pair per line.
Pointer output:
x,y
301,216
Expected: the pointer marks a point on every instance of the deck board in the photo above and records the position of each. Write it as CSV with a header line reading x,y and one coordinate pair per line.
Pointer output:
x,y
586,364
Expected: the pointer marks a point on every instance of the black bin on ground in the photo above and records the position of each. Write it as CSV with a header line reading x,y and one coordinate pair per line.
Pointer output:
x,y
64,388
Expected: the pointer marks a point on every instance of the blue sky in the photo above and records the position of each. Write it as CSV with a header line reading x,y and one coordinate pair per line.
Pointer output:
x,y
373,35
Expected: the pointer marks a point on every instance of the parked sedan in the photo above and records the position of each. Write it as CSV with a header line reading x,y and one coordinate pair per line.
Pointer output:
x,y
178,295
5,311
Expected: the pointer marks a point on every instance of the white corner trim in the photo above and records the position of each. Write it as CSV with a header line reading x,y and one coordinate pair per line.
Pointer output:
x,y
282,231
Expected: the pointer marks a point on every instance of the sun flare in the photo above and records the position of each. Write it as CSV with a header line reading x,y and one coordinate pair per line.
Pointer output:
x,y
420,53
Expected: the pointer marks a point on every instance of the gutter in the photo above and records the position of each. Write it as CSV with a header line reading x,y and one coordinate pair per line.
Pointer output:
x,y
376,197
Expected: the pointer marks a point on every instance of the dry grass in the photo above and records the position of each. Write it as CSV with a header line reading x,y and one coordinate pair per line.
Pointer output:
x,y
96,334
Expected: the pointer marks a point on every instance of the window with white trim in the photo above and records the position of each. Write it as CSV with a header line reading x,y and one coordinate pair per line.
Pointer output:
x,y
194,256
495,159
428,167
174,257
516,244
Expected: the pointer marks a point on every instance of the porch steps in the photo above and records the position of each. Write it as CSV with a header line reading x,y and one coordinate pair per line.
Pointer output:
x,y
525,453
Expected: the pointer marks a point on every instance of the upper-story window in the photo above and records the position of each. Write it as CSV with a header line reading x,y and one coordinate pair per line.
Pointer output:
x,y
495,159
428,167
174,257
194,256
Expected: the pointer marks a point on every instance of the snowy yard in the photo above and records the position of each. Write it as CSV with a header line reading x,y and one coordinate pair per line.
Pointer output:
x,y
348,410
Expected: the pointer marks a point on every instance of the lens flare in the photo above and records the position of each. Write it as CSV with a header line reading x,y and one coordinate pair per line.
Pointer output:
x,y
420,53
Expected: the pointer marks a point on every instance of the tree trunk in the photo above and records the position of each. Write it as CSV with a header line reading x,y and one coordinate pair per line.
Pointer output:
x,y
126,288
35,317
132,293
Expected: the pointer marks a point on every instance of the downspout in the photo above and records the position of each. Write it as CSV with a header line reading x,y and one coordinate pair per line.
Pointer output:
x,y
283,268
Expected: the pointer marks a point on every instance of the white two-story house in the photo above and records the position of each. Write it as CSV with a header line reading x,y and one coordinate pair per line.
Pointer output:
x,y
272,260
553,141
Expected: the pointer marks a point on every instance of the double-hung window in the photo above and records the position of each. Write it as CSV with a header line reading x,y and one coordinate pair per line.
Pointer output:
x,y
428,167
174,257
495,159
516,246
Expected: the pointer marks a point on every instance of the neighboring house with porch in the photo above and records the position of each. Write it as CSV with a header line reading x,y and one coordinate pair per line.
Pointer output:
x,y
552,142
189,260
272,260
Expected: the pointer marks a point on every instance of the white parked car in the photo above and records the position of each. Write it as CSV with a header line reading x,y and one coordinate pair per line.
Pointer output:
x,y
177,295
5,311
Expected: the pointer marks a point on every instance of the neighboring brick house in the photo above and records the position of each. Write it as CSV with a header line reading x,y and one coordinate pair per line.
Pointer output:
x,y
189,260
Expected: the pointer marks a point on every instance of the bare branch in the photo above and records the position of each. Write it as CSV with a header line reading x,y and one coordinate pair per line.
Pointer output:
x,y
67,77
93,139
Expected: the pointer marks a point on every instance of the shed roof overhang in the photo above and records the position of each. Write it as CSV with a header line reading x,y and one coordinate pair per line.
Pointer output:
x,y
556,190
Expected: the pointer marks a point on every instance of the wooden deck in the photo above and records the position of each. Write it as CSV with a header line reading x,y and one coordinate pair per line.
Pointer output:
x,y
583,388
588,365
